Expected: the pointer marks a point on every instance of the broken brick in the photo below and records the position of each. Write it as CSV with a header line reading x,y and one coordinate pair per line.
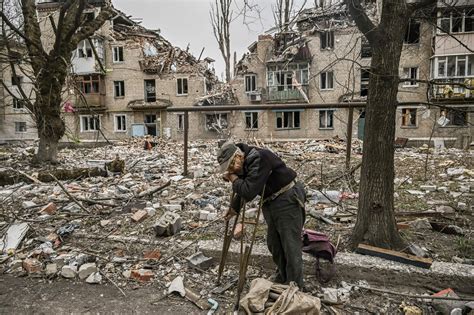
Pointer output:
x,y
140,215
32,265
153,254
142,275
50,208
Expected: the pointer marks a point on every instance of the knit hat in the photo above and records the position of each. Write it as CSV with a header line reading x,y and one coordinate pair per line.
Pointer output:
x,y
225,155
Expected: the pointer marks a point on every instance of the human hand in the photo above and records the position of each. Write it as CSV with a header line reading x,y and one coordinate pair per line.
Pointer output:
x,y
229,214
229,177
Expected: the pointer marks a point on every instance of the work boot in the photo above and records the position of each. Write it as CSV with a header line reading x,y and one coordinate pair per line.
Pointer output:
x,y
276,278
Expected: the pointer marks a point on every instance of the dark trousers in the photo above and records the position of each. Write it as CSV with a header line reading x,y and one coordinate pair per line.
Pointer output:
x,y
285,218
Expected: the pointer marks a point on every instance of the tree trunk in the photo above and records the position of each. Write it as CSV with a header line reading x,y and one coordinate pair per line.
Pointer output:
x,y
376,223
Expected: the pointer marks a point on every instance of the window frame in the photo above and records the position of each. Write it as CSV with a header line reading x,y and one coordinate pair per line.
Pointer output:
x,y
411,82
406,117
326,113
249,81
327,75
219,115
180,83
326,40
364,81
253,120
180,122
145,92
450,114
285,116
16,80
21,123
16,104
116,123
92,78
407,38
96,119
118,54
467,13
121,88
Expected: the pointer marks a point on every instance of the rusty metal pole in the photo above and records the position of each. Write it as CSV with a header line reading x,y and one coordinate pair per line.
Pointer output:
x,y
350,117
186,131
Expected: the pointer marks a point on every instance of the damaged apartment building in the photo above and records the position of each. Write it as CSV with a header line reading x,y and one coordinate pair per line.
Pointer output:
x,y
124,78
323,58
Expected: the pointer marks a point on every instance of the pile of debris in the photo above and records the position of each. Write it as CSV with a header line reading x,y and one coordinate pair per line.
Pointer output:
x,y
141,222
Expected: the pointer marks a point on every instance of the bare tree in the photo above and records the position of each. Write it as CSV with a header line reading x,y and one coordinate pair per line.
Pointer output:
x,y
221,17
376,223
50,65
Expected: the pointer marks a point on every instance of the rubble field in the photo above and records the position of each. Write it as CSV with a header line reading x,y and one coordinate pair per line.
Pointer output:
x,y
139,226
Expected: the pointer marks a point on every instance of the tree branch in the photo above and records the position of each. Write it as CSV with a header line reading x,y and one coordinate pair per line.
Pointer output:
x,y
365,25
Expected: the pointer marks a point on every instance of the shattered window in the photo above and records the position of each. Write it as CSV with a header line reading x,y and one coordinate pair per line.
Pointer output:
x,y
441,66
119,88
16,80
182,86
326,80
150,91
455,116
117,53
364,82
180,122
327,39
251,120
456,22
365,49
216,122
412,35
250,83
150,119
90,84
287,120
120,123
326,119
20,126
18,104
410,73
90,123
282,78
409,117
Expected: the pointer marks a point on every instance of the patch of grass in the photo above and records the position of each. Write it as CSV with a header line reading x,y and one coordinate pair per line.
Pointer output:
x,y
465,246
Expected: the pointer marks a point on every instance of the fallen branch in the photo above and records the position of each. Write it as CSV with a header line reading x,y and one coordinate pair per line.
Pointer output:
x,y
69,195
111,281
152,191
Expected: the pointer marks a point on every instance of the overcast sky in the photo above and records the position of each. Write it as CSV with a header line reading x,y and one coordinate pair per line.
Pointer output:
x,y
184,22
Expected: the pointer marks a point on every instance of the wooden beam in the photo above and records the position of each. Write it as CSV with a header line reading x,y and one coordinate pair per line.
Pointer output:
x,y
394,255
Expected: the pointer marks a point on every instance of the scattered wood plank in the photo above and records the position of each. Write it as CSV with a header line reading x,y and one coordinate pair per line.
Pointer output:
x,y
10,177
394,256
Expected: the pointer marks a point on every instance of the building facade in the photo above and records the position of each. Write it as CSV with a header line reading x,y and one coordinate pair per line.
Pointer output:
x,y
126,77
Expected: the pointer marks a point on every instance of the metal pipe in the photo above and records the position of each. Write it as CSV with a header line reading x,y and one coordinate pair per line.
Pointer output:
x,y
350,118
186,131
273,106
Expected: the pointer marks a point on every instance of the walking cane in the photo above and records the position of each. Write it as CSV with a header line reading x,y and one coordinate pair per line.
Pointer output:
x,y
227,241
245,254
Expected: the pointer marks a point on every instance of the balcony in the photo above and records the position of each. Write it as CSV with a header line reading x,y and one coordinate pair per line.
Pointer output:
x,y
286,93
459,89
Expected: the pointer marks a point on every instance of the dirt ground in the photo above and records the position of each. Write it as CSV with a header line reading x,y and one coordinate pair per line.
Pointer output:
x,y
23,293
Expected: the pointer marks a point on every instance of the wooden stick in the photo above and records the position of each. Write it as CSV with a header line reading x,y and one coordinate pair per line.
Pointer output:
x,y
69,195
111,281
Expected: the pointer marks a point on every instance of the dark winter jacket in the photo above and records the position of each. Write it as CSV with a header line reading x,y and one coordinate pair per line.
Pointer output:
x,y
261,166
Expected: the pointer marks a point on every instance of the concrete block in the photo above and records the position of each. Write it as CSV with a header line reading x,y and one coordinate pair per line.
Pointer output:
x,y
150,211
87,269
199,260
168,224
462,206
94,278
139,216
172,207
69,271
203,214
153,254
51,269
28,204
428,187
32,265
